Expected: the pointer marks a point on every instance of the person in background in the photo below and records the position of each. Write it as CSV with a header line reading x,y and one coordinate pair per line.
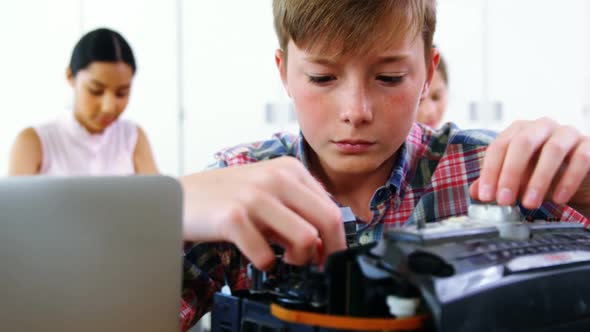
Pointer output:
x,y
356,71
92,139
434,105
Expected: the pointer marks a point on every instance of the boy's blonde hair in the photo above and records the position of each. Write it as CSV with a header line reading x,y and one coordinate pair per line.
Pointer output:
x,y
352,26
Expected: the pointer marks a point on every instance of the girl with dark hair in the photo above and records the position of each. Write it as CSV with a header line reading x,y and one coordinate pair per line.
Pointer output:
x,y
91,140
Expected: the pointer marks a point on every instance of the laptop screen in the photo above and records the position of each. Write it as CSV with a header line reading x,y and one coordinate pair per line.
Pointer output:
x,y
90,253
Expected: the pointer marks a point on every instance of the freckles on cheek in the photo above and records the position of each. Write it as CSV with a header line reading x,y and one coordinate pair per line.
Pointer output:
x,y
401,104
305,99
311,115
400,112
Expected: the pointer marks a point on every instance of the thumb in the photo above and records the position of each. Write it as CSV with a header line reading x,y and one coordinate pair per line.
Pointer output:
x,y
474,190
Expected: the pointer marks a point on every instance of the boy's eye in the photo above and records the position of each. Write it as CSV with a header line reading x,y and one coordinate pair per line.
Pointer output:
x,y
321,79
390,79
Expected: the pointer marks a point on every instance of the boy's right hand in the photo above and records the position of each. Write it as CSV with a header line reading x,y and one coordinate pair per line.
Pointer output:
x,y
275,201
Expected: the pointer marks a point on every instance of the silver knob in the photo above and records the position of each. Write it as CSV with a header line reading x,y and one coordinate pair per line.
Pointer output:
x,y
507,219
494,213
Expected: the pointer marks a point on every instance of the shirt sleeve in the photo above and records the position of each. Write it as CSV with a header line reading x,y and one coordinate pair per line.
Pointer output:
x,y
207,267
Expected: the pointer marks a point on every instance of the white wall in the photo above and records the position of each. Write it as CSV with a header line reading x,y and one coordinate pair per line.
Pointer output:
x,y
36,46
229,77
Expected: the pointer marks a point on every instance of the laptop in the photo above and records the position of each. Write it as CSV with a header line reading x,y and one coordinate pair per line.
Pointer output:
x,y
90,254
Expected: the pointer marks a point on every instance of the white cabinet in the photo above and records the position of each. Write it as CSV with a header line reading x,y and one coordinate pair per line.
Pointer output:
x,y
538,58
527,58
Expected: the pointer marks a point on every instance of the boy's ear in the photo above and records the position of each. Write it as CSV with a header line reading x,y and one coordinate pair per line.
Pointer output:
x,y
430,70
281,62
70,76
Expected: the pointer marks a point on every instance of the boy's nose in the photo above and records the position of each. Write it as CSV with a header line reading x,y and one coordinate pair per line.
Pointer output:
x,y
357,108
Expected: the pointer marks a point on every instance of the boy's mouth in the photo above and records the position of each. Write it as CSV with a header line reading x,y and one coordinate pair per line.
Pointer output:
x,y
351,146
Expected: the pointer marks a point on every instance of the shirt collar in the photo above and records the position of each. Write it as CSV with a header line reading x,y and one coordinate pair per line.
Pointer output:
x,y
301,150
82,136
409,154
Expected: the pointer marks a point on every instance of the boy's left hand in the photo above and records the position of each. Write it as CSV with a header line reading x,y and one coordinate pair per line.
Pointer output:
x,y
532,161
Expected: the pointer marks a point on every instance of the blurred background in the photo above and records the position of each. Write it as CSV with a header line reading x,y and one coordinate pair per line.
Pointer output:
x,y
206,75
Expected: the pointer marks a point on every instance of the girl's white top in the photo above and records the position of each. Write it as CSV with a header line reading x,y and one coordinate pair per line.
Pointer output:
x,y
69,149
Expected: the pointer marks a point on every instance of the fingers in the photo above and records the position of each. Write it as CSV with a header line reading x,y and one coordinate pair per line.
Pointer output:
x,y
492,165
531,159
263,219
239,229
474,190
320,212
520,153
551,158
577,170
308,199
280,201
290,229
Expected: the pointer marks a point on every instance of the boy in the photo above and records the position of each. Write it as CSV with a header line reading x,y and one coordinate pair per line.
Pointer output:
x,y
356,71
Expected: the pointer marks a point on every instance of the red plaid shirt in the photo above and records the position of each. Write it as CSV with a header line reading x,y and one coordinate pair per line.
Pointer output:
x,y
430,181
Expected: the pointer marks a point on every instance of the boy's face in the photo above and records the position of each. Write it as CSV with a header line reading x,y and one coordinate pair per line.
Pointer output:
x,y
356,111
